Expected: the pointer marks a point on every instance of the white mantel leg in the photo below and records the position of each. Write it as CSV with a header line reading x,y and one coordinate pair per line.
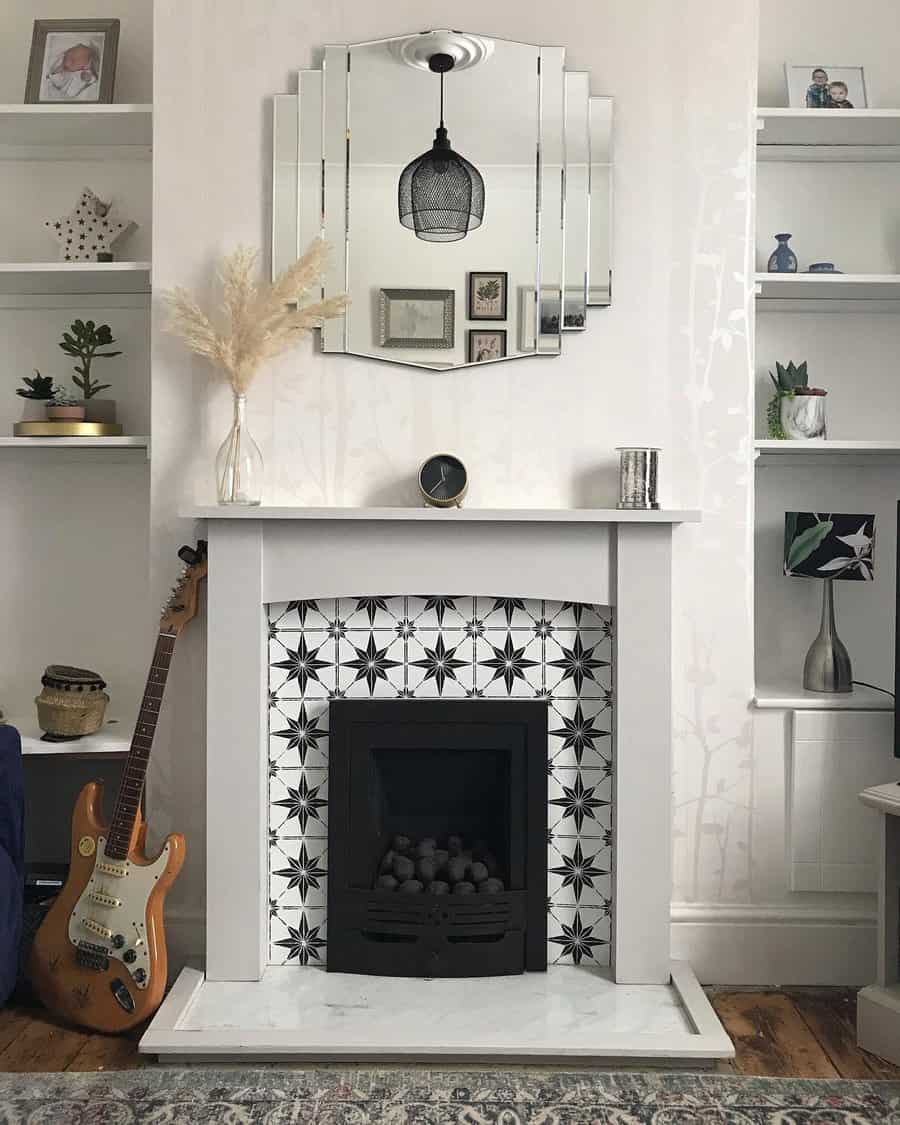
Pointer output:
x,y
236,898
643,770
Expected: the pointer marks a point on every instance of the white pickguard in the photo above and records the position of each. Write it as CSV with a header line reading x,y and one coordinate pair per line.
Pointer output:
x,y
121,908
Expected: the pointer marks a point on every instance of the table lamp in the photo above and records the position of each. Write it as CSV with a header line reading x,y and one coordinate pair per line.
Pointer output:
x,y
830,546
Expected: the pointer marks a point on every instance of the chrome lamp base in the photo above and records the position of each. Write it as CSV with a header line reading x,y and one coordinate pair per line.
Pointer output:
x,y
827,667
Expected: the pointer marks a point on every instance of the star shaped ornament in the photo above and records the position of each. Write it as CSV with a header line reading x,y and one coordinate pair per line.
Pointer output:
x,y
90,228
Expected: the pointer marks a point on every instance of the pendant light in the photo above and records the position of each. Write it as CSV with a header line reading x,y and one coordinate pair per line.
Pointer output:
x,y
441,195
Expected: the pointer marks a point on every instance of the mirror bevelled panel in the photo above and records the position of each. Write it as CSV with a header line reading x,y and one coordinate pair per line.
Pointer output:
x,y
506,287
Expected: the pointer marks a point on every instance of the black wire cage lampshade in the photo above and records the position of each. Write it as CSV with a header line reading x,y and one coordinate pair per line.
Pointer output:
x,y
441,194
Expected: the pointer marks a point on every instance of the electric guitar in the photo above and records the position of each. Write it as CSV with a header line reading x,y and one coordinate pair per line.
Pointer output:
x,y
99,957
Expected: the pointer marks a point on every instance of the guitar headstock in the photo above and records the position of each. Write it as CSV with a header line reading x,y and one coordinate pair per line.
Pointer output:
x,y
182,604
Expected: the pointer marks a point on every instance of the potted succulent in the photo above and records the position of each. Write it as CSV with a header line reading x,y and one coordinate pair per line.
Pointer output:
x,y
37,392
65,407
83,342
796,411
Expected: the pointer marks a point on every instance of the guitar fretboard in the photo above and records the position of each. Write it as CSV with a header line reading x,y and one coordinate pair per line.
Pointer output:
x,y
131,787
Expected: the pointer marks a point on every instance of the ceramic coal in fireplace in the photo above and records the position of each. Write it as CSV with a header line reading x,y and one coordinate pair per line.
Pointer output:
x,y
437,837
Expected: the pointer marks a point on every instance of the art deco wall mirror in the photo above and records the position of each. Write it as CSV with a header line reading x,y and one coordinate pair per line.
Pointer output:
x,y
465,185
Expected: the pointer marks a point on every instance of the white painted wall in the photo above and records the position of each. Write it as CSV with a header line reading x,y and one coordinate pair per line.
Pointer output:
x,y
669,363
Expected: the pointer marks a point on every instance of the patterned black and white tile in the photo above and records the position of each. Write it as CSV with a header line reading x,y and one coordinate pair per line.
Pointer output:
x,y
452,648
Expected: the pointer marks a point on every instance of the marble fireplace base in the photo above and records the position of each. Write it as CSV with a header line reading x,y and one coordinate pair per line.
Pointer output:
x,y
567,1015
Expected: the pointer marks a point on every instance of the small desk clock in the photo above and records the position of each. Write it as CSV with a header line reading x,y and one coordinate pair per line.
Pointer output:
x,y
443,481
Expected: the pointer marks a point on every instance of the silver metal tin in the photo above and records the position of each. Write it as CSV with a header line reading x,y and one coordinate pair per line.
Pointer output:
x,y
638,465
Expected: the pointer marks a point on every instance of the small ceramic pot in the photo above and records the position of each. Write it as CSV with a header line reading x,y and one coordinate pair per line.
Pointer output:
x,y
100,410
803,417
65,413
34,410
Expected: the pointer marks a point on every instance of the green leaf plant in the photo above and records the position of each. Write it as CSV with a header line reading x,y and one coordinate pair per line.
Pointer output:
x,y
788,381
83,342
40,388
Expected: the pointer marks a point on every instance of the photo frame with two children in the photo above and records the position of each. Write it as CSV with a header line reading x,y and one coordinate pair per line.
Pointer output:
x,y
826,87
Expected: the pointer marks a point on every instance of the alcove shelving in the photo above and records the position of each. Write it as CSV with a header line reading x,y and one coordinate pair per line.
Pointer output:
x,y
844,325
76,510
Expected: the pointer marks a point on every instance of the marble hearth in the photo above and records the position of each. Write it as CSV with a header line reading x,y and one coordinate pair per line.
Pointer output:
x,y
626,999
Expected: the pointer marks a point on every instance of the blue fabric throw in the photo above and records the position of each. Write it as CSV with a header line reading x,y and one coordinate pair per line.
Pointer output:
x,y
12,856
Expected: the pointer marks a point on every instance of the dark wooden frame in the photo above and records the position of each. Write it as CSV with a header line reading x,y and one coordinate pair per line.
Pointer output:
x,y
470,351
470,304
42,28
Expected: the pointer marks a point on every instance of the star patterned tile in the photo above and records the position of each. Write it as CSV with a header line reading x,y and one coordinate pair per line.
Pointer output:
x,y
449,647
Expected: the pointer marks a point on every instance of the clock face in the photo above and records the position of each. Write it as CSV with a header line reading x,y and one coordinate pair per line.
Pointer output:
x,y
443,477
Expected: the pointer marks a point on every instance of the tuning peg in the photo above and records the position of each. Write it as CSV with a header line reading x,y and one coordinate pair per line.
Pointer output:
x,y
189,556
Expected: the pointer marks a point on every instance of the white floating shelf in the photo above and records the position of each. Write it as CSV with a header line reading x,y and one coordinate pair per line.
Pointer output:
x,y
40,278
447,515
792,697
126,441
113,740
828,135
76,126
768,449
832,292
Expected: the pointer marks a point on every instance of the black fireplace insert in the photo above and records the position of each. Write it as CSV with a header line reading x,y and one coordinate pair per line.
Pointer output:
x,y
437,837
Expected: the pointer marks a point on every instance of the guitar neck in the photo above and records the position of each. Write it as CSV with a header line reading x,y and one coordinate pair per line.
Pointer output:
x,y
131,787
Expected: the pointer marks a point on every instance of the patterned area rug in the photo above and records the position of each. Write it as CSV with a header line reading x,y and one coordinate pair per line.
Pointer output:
x,y
524,1096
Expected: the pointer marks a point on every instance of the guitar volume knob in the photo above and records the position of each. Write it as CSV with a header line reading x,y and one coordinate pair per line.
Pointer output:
x,y
118,941
129,956
140,975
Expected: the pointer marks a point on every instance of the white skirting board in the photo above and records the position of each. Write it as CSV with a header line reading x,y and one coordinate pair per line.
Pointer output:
x,y
565,1015
775,945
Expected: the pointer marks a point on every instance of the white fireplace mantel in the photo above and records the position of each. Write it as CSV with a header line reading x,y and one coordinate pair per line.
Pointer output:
x,y
600,556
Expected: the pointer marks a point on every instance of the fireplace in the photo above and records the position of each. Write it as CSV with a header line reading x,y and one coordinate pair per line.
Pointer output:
x,y
437,837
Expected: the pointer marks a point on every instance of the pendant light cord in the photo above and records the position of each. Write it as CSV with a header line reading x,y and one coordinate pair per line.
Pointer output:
x,y
442,99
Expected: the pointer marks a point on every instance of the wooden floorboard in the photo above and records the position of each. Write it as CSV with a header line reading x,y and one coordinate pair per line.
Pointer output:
x,y
42,1044
830,1014
789,1033
770,1036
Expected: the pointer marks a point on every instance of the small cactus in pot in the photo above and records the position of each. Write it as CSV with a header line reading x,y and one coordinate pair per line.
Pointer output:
x,y
796,411
65,407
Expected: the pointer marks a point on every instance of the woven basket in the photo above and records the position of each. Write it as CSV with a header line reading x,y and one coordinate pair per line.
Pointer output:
x,y
72,702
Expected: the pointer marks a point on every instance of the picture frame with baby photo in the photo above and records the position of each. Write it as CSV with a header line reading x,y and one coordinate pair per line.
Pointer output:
x,y
826,87
72,62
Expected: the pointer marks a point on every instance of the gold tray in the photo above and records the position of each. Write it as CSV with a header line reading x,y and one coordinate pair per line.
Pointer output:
x,y
67,429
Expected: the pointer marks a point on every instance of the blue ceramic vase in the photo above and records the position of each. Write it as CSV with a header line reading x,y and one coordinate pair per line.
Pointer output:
x,y
783,259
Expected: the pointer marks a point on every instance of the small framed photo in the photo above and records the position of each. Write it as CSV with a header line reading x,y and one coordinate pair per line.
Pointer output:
x,y
486,344
417,318
72,61
487,295
826,87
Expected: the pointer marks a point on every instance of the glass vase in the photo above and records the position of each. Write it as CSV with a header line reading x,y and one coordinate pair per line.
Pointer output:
x,y
239,463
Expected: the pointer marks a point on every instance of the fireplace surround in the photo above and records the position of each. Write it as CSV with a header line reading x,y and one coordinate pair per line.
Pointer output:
x,y
450,773
644,1005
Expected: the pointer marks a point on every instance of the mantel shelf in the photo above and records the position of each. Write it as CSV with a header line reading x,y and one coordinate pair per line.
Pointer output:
x,y
76,126
461,515
822,135
42,278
